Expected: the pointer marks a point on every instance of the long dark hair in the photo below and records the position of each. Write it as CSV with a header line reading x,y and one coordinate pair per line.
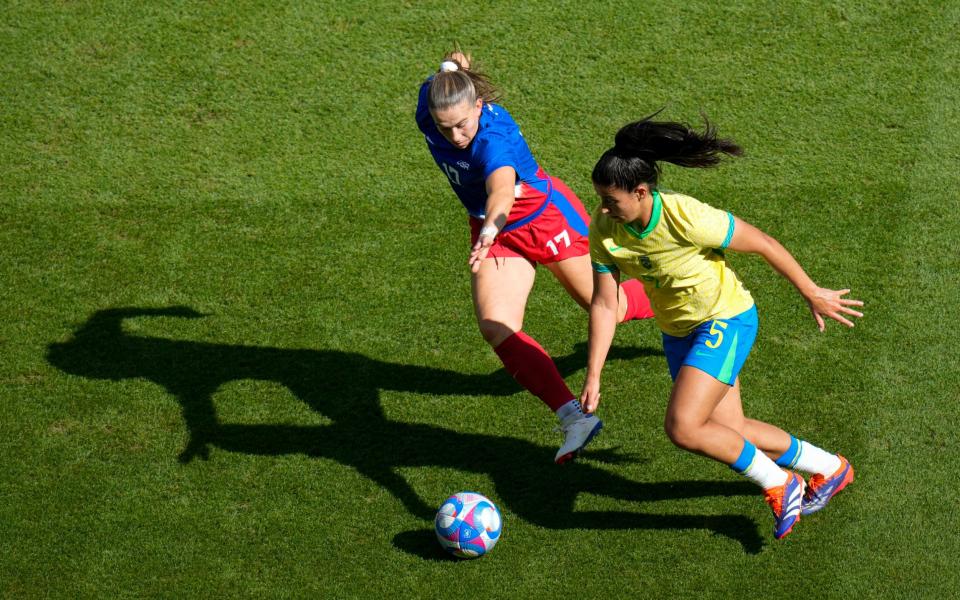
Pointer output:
x,y
449,88
640,147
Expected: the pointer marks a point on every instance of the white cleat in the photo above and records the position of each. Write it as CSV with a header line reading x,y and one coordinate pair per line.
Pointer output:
x,y
577,435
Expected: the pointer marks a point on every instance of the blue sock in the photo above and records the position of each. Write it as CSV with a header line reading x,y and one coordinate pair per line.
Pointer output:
x,y
789,458
746,457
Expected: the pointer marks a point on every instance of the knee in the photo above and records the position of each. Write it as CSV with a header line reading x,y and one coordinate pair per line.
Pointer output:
x,y
683,434
494,332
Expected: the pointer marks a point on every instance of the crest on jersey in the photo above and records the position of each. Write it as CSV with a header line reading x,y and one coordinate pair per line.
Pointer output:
x,y
463,165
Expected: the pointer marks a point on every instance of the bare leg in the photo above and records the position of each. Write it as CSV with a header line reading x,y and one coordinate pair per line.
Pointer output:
x,y
576,276
500,291
772,440
688,422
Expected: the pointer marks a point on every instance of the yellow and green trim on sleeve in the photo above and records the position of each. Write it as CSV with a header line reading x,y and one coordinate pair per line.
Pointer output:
x,y
726,240
602,268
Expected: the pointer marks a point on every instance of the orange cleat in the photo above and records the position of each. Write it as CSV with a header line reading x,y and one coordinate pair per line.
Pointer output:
x,y
785,501
821,489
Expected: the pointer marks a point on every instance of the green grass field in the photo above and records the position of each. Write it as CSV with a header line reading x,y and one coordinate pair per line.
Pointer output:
x,y
237,351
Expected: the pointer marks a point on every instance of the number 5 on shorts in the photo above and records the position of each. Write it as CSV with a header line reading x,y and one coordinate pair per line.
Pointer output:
x,y
564,237
716,332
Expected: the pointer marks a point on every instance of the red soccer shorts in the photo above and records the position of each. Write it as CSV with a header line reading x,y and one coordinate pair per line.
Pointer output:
x,y
558,232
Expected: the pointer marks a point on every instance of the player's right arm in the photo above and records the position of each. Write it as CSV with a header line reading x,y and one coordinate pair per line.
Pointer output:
x,y
500,199
603,324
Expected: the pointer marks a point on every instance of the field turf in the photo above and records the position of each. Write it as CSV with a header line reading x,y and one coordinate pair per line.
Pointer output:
x,y
237,350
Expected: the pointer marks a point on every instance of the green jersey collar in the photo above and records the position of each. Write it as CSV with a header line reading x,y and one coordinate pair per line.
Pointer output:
x,y
654,218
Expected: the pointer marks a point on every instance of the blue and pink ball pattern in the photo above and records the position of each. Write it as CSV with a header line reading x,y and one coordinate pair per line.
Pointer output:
x,y
468,524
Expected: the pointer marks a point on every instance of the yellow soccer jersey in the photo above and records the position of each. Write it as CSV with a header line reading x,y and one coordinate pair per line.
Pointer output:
x,y
678,257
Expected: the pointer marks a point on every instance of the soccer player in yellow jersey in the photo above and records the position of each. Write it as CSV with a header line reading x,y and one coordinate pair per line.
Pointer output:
x,y
675,244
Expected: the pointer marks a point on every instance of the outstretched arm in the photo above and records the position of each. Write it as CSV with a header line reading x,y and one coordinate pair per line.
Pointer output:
x,y
500,197
603,324
823,302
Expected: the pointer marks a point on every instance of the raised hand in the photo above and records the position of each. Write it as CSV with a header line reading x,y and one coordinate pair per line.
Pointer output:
x,y
831,303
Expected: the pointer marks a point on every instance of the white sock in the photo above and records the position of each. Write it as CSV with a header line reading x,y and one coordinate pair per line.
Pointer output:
x,y
570,412
814,460
764,472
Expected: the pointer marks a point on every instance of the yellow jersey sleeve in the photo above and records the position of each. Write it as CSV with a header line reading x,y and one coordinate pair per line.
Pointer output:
x,y
600,257
702,224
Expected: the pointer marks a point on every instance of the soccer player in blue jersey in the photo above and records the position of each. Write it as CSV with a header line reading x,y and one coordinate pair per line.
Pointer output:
x,y
675,244
519,217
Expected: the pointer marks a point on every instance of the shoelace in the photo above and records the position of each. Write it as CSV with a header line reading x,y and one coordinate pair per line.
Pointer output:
x,y
775,501
815,483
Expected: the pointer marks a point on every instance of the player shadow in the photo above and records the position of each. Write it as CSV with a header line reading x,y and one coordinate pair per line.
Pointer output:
x,y
345,387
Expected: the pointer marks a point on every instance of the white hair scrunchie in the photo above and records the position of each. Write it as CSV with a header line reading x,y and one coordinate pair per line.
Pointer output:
x,y
449,65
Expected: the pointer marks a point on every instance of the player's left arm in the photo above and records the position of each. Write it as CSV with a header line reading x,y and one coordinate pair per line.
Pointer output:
x,y
822,301
500,196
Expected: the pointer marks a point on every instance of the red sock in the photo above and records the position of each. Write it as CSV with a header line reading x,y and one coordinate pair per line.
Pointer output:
x,y
638,305
533,368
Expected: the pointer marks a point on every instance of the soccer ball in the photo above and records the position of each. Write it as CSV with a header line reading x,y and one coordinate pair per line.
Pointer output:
x,y
468,524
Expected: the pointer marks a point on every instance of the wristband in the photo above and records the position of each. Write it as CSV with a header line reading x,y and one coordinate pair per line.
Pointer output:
x,y
490,231
449,65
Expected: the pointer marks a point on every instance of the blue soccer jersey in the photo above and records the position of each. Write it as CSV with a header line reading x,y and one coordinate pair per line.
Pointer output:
x,y
498,143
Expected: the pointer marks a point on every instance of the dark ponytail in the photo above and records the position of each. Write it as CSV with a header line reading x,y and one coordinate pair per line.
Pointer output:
x,y
640,147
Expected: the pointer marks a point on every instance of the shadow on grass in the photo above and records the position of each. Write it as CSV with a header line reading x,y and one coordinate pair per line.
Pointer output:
x,y
422,543
345,387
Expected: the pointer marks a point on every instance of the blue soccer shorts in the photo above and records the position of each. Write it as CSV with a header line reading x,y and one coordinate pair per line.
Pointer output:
x,y
718,347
